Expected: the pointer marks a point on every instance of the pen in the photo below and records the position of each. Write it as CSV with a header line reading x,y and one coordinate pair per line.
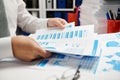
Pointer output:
x,y
118,9
114,16
118,14
111,14
77,74
108,16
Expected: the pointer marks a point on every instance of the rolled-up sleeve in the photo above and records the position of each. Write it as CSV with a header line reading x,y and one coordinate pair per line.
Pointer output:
x,y
28,22
5,47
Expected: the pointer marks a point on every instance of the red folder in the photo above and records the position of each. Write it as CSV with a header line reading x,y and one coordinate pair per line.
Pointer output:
x,y
73,16
113,26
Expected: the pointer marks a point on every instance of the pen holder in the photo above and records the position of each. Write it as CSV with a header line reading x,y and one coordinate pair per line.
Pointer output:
x,y
113,26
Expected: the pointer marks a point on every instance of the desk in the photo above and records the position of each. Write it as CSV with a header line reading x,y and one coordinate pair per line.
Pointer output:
x,y
18,70
108,66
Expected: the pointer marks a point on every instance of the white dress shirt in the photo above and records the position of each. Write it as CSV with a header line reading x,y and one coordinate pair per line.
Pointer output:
x,y
17,15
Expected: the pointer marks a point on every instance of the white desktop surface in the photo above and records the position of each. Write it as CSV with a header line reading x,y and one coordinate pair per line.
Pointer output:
x,y
18,70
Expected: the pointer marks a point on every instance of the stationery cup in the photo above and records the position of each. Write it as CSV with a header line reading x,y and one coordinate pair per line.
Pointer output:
x,y
113,26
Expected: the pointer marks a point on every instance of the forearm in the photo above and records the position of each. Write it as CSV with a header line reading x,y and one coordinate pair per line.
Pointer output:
x,y
28,22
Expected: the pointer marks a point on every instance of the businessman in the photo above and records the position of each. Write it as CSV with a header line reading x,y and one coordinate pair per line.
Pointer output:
x,y
12,14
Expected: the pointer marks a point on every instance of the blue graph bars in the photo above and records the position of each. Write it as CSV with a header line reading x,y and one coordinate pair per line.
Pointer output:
x,y
61,35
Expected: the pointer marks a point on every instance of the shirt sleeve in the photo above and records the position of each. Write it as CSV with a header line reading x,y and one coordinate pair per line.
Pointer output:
x,y
28,22
5,47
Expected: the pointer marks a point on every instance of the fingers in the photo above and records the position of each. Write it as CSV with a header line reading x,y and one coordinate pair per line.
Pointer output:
x,y
39,51
63,21
60,23
42,53
27,49
57,22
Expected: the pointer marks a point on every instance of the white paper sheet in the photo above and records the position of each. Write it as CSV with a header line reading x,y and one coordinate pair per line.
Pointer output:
x,y
63,65
70,41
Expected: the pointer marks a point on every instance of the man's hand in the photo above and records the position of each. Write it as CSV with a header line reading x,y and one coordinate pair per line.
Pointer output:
x,y
27,49
56,22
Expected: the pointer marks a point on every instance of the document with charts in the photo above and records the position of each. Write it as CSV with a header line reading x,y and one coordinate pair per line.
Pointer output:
x,y
73,41
109,63
59,66
98,55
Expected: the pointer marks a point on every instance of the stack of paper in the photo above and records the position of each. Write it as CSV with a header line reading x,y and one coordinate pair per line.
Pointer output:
x,y
96,54
73,41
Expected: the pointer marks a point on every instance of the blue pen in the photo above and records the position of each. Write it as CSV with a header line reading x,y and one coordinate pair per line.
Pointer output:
x,y
108,16
118,9
118,14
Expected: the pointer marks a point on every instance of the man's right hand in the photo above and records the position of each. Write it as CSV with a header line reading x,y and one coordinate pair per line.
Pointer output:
x,y
27,49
